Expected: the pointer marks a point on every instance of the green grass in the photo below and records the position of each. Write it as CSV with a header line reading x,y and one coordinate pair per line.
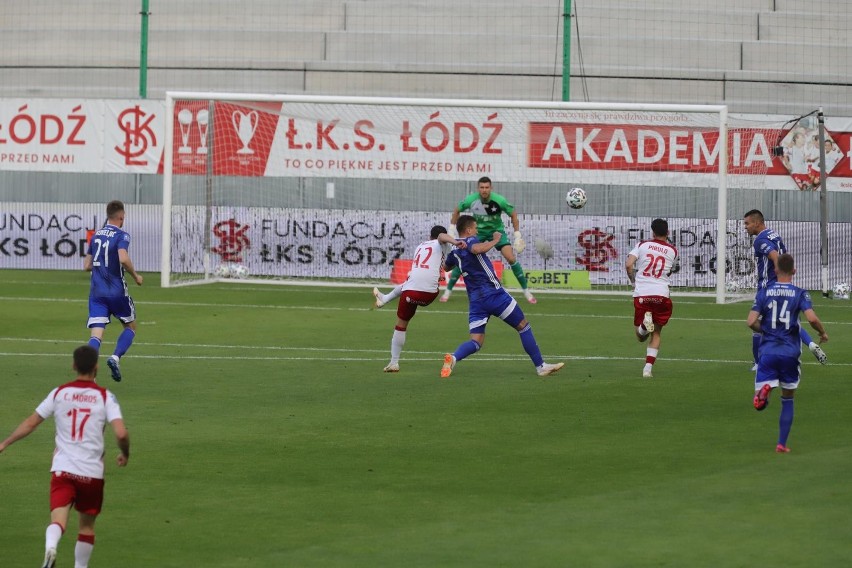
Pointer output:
x,y
265,434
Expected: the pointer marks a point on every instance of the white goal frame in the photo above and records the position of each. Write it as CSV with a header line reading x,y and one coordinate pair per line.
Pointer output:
x,y
173,96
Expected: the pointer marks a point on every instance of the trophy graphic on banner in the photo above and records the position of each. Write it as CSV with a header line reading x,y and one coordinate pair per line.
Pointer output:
x,y
203,118
185,122
245,123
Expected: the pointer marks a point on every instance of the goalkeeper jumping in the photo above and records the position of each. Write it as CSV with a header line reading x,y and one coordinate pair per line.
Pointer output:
x,y
487,208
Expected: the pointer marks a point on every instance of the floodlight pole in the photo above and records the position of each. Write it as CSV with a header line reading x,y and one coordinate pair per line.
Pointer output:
x,y
566,51
143,52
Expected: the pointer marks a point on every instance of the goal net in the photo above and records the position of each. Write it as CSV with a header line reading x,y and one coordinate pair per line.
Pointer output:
x,y
342,189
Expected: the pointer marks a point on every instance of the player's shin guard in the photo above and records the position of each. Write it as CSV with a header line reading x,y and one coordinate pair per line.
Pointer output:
x,y
518,271
83,550
530,345
454,277
785,421
756,338
397,343
805,336
52,535
125,340
466,349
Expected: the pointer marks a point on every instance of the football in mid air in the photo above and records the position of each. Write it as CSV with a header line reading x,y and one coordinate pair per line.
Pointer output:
x,y
576,198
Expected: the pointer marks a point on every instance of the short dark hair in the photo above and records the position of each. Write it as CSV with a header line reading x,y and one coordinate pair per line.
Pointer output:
x,y
85,359
464,222
660,227
754,213
483,179
786,264
437,230
114,207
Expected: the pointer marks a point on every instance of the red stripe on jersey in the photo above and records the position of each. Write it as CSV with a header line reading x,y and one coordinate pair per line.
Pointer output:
x,y
659,242
83,385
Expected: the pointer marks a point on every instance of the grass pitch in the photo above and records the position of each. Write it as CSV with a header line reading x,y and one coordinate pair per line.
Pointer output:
x,y
264,433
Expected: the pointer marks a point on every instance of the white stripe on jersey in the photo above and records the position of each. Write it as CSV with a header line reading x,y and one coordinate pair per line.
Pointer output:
x,y
489,271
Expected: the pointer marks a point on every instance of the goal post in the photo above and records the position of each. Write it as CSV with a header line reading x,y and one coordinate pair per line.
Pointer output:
x,y
322,189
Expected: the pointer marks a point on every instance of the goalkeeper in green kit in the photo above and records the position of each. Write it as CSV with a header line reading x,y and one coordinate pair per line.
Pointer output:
x,y
487,208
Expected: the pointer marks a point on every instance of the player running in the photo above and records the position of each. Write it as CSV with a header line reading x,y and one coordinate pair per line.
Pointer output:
x,y
768,246
81,410
775,314
487,298
108,259
649,266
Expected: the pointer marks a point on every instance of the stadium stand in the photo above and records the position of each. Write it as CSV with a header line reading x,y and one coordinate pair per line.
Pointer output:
x,y
754,55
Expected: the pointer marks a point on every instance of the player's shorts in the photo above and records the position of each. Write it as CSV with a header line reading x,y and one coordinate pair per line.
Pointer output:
x,y
100,309
659,306
504,239
86,493
410,299
777,369
500,304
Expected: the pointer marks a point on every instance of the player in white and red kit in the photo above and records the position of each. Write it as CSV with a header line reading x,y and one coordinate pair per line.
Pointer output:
x,y
81,410
419,289
649,266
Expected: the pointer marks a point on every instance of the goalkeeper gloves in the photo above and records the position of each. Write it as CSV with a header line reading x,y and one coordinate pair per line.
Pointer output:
x,y
453,232
519,244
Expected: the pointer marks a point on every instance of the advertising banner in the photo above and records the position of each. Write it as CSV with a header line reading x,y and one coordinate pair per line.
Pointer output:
x,y
417,142
317,243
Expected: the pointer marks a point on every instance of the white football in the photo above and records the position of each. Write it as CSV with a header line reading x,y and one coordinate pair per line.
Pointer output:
x,y
239,271
576,198
223,271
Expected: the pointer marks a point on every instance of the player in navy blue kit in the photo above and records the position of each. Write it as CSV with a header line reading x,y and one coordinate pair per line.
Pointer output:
x,y
108,259
775,314
767,248
487,298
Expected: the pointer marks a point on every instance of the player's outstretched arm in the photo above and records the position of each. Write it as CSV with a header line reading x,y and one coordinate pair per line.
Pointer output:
x,y
812,318
454,218
23,430
449,239
481,248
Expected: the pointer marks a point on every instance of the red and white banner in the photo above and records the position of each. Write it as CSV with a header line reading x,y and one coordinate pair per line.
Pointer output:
x,y
81,135
416,142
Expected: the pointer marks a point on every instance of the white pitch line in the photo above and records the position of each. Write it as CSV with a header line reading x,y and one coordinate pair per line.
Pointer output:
x,y
381,355
626,315
436,358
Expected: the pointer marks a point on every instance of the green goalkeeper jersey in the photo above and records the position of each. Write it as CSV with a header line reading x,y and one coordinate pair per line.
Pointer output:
x,y
488,215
